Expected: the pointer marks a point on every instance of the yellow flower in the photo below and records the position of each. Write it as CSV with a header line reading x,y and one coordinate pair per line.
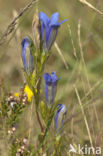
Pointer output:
x,y
29,93
17,94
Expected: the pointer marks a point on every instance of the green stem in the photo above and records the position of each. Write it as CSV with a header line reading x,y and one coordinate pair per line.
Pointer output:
x,y
39,121
36,95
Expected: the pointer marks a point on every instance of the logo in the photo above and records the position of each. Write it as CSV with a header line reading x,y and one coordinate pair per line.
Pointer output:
x,y
85,150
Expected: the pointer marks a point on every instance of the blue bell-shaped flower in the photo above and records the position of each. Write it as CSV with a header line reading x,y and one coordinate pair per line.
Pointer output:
x,y
50,87
49,29
27,56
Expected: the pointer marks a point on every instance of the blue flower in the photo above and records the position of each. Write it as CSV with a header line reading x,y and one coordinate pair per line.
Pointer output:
x,y
50,87
27,56
59,120
49,29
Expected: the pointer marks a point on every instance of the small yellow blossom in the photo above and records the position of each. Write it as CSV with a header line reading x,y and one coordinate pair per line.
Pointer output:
x,y
17,94
29,93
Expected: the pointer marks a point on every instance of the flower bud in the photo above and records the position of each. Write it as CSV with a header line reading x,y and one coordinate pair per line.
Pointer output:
x,y
27,56
60,115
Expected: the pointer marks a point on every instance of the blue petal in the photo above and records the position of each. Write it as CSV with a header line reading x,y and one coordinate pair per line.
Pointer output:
x,y
54,91
48,82
54,77
43,18
54,85
48,32
51,30
44,23
54,19
63,21
47,78
42,35
51,36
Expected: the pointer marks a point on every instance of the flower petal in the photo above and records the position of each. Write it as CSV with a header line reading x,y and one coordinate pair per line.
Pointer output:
x,y
54,91
48,82
42,32
63,21
47,78
54,77
51,36
54,19
43,18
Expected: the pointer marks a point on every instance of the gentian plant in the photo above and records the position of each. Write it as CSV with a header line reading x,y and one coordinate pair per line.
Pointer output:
x,y
49,114
34,56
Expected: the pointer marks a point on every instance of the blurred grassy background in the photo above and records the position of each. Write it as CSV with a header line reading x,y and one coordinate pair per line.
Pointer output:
x,y
87,79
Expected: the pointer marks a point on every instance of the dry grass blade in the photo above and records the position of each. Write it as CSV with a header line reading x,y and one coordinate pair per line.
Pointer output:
x,y
85,69
30,121
18,33
61,55
85,119
13,23
74,49
91,6
80,44
92,89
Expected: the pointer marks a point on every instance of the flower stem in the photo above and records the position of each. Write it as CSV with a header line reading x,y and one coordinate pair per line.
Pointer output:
x,y
39,121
